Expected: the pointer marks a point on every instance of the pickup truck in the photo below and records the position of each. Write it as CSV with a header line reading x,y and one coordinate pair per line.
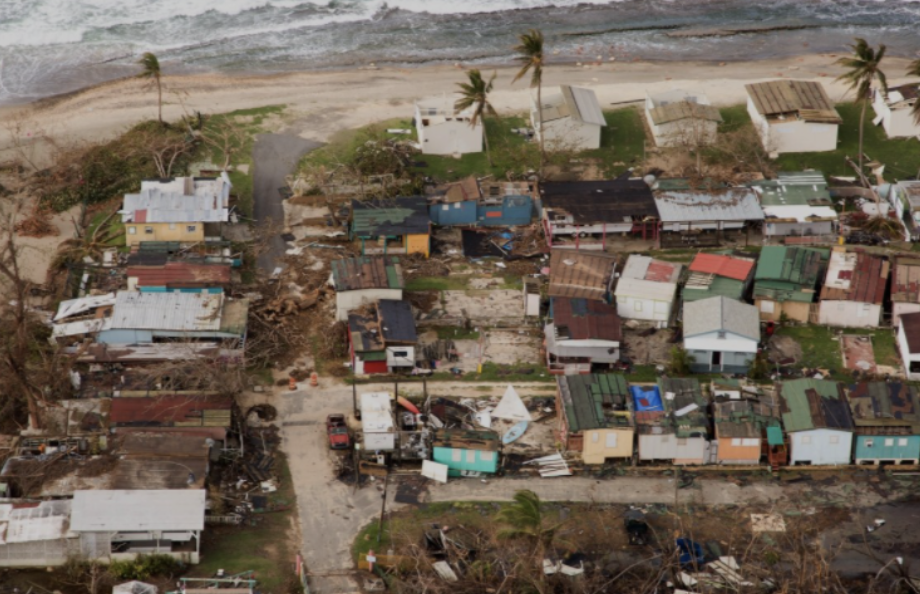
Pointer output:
x,y
337,432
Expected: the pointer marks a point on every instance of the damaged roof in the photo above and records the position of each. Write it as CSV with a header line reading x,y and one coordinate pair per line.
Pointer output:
x,y
808,404
390,218
595,401
649,269
573,102
685,405
386,322
721,265
583,319
167,311
173,411
745,417
905,280
789,273
367,272
682,110
806,100
466,439
576,274
729,204
885,404
611,201
855,276
179,274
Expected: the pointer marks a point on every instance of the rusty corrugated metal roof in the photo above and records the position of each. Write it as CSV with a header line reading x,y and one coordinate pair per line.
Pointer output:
x,y
855,276
180,274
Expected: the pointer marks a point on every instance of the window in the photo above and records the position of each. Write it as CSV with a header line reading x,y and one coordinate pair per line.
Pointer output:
x,y
132,230
902,441
470,456
148,230
889,442
833,439
595,436
487,456
751,442
446,206
806,439
401,354
716,358
722,334
190,228
456,456
869,443
736,441
611,440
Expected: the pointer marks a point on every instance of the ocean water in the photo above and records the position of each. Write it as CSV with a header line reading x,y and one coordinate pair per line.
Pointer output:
x,y
54,46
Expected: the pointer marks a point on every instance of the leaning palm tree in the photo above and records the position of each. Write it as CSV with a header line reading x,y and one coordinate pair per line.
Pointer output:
x,y
914,70
864,68
530,55
475,94
525,519
152,71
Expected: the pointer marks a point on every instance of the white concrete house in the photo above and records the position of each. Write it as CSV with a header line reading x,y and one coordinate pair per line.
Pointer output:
x,y
905,287
853,290
893,110
647,289
571,120
442,130
721,334
818,421
909,344
681,118
793,116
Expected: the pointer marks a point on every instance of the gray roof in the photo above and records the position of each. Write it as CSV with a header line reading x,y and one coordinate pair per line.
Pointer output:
x,y
139,510
583,105
721,314
730,204
167,311
179,200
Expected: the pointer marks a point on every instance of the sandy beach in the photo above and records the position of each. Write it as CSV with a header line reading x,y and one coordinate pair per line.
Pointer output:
x,y
323,103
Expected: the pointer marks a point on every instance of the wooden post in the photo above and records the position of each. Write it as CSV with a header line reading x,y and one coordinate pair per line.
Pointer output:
x,y
383,507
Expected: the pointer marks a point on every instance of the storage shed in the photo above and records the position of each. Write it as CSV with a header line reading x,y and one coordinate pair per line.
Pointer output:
x,y
572,119
793,116
854,289
647,289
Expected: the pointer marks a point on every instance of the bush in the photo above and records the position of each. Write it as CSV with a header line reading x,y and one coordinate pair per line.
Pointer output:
x,y
143,567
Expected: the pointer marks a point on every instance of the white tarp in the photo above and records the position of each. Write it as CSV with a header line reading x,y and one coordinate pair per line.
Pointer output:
x,y
511,407
134,587
434,470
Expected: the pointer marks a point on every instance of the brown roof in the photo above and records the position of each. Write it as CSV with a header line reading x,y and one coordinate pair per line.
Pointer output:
x,y
867,280
580,274
908,91
180,274
681,110
582,319
806,99
180,410
367,272
905,280
910,322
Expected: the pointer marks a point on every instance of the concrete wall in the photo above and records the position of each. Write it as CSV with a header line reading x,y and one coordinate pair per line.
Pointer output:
x,y
567,134
795,310
774,229
163,232
600,444
899,309
849,314
897,123
793,135
906,357
448,138
684,133
820,447
639,308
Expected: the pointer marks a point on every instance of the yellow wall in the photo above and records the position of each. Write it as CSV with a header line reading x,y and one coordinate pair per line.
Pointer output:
x,y
595,448
163,232
794,310
417,244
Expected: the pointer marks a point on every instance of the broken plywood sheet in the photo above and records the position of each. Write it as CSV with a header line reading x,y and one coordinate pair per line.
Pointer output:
x,y
767,523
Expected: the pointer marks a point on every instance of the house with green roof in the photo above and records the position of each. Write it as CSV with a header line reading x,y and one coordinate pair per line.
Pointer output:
x,y
595,416
817,420
392,226
786,281
796,204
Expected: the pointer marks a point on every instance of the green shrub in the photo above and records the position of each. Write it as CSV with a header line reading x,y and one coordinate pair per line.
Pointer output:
x,y
143,567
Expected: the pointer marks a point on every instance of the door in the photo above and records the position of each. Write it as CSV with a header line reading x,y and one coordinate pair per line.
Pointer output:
x,y
717,359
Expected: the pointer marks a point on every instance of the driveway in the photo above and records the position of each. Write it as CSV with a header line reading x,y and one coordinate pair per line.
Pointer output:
x,y
274,156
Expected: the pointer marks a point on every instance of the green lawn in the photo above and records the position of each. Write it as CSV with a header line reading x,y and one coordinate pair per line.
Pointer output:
x,y
115,228
456,333
622,142
820,350
437,283
900,156
262,547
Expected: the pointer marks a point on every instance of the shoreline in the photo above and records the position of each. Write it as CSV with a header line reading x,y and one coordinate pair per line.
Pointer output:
x,y
322,103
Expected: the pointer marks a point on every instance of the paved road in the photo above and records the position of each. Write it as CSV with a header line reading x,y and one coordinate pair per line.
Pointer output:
x,y
274,156
331,513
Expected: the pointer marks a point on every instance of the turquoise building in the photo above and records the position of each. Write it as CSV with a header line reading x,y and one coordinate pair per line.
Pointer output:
x,y
466,453
887,420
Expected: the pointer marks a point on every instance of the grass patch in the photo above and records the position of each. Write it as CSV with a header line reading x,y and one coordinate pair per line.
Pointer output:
x,y
436,283
235,132
901,156
821,348
262,547
115,229
622,142
457,333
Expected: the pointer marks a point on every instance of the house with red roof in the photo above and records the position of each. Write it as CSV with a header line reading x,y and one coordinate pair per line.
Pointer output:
x,y
718,275
854,289
179,277
584,335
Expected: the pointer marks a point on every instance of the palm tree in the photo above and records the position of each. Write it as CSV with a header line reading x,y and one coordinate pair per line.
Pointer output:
x,y
864,67
914,70
152,71
525,519
476,94
530,55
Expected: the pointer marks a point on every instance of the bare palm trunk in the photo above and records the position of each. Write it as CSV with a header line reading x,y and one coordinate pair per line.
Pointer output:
x,y
159,101
485,138
540,120
862,125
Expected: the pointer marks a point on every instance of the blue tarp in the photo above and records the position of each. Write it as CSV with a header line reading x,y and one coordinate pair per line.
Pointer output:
x,y
646,398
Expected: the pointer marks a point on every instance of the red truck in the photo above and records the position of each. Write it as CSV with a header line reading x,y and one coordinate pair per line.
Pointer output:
x,y
337,432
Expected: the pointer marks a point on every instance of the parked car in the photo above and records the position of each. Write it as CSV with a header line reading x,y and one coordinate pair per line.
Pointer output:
x,y
337,432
